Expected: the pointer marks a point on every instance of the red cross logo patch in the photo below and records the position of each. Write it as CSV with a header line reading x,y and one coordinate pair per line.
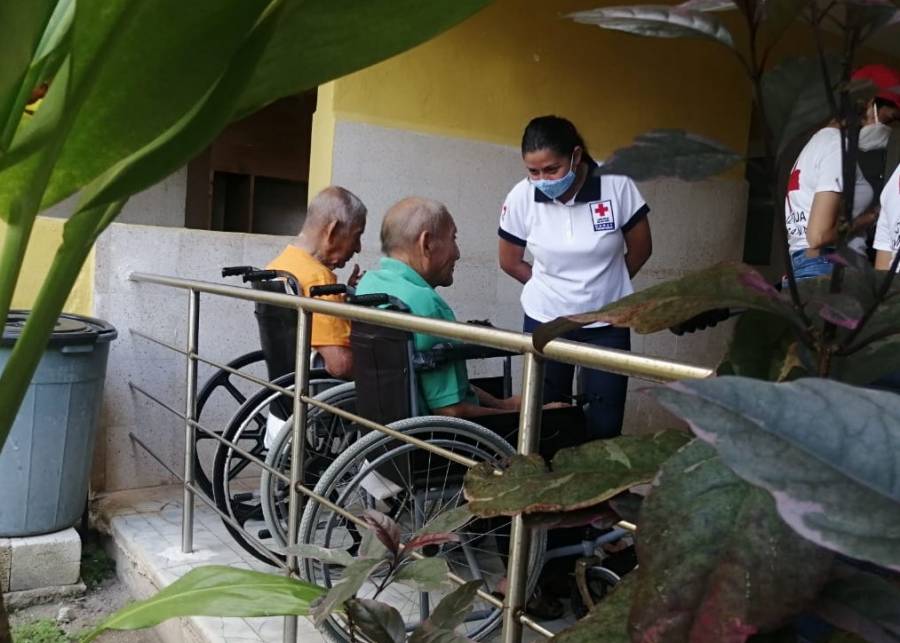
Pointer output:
x,y
794,181
602,216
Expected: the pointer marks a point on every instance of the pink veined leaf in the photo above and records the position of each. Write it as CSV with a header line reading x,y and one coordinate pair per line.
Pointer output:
x,y
386,530
431,539
836,259
755,281
838,318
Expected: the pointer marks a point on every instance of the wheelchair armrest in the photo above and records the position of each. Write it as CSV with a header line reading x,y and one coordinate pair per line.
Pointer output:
x,y
441,354
378,299
235,271
259,275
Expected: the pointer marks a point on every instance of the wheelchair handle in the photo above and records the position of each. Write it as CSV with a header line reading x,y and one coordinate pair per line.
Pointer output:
x,y
328,289
233,271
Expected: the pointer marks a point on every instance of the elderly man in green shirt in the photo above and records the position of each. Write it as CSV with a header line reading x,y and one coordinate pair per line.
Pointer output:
x,y
418,238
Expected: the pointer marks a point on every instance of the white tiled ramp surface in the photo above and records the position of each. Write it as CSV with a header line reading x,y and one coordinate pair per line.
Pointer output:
x,y
145,525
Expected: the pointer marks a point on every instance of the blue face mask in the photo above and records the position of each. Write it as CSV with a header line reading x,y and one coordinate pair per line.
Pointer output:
x,y
555,188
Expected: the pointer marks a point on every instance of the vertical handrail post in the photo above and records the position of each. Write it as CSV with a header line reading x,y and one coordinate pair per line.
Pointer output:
x,y
520,536
298,450
190,414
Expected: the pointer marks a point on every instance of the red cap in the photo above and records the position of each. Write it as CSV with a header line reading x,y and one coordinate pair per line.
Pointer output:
x,y
886,80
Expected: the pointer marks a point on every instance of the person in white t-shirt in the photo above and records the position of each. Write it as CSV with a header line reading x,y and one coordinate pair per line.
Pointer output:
x,y
588,235
887,233
813,204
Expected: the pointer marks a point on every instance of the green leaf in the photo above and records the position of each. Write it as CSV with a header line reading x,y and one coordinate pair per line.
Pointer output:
x,y
379,622
192,132
447,521
384,528
578,477
323,554
355,576
608,621
216,590
863,603
424,574
760,347
671,153
21,27
794,97
826,451
658,22
715,561
320,40
657,308
868,364
453,609
427,633
707,5
779,15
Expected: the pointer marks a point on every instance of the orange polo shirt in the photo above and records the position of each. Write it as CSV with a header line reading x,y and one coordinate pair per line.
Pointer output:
x,y
309,272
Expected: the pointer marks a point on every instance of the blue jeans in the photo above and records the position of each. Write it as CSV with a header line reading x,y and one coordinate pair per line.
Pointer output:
x,y
605,392
807,267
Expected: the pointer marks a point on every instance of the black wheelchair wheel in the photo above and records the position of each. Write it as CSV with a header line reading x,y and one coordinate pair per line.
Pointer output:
x,y
221,380
236,478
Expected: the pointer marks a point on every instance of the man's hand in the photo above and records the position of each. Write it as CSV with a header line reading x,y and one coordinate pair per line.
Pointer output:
x,y
355,276
556,405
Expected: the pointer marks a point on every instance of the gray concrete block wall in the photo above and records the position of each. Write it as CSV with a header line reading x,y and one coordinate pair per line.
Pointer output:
x,y
227,329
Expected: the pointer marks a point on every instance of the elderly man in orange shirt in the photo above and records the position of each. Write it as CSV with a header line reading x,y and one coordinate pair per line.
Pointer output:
x,y
335,222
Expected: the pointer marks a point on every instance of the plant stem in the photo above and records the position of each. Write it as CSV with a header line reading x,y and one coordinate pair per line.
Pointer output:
x,y
11,258
28,350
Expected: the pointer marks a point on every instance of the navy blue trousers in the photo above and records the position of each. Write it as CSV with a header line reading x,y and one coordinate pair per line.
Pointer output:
x,y
604,392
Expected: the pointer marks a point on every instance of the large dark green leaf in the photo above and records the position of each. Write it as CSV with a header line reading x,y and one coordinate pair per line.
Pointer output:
x,y
863,603
716,562
155,72
192,132
607,622
319,40
658,21
216,590
379,622
673,302
826,451
793,94
671,153
578,477
868,364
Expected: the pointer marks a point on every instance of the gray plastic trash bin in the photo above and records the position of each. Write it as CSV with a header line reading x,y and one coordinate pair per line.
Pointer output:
x,y
46,461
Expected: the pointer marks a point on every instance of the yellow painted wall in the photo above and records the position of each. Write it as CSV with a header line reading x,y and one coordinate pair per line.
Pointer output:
x,y
487,77
517,59
45,239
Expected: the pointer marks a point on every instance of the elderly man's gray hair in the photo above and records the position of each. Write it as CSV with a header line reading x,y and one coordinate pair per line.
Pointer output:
x,y
335,203
405,222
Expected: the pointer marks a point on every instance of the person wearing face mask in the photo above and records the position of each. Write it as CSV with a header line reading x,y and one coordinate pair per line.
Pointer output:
x,y
588,235
814,202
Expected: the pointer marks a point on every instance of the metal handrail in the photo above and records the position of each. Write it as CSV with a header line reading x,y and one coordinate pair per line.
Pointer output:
x,y
559,350
611,360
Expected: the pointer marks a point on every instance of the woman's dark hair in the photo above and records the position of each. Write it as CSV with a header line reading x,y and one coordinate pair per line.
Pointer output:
x,y
884,102
552,133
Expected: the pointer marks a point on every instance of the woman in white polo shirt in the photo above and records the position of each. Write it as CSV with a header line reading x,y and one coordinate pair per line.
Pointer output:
x,y
813,205
887,233
589,235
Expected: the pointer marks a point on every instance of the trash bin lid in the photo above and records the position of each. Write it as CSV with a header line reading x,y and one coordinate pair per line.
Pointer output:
x,y
69,329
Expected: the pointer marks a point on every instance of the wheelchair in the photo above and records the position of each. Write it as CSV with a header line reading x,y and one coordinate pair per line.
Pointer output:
x,y
228,476
414,487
